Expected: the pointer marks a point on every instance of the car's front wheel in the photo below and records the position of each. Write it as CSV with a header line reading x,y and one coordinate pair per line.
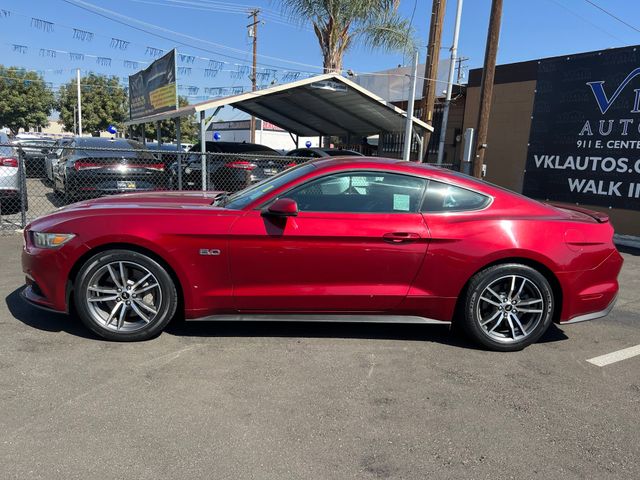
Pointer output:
x,y
124,295
508,307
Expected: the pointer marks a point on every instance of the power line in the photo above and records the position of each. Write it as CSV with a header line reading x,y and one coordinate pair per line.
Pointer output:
x,y
612,15
242,60
577,15
234,10
126,20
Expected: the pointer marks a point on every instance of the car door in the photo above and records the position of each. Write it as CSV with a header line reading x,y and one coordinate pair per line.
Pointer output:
x,y
356,245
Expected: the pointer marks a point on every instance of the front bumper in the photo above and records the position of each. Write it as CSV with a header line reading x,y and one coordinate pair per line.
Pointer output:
x,y
47,274
29,295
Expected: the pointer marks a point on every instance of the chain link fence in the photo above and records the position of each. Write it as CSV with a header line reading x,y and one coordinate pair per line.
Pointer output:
x,y
37,178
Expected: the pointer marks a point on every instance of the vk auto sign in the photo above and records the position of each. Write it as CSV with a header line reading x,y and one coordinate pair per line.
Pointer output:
x,y
584,144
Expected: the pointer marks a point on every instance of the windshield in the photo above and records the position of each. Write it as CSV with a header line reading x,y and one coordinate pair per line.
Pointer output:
x,y
244,197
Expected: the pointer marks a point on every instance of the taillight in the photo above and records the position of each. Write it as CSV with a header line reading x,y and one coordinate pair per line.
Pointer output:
x,y
289,165
240,164
87,165
8,162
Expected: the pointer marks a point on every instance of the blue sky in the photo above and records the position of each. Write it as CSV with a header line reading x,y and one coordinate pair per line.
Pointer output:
x,y
530,29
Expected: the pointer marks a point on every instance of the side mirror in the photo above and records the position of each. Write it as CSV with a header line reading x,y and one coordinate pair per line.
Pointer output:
x,y
282,207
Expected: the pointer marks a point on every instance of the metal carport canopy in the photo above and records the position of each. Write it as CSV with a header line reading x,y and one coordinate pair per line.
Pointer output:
x,y
327,104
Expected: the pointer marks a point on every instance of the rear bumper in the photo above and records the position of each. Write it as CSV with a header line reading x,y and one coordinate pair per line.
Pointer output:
x,y
593,315
590,294
9,180
107,182
9,193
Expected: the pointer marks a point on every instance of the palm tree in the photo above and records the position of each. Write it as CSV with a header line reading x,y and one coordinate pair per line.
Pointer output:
x,y
340,23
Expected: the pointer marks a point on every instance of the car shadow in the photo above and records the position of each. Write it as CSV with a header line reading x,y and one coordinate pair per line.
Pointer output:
x,y
443,334
44,320
56,200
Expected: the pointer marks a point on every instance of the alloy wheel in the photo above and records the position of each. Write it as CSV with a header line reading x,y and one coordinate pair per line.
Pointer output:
x,y
510,308
123,296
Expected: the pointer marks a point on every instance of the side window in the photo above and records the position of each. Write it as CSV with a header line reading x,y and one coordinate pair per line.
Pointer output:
x,y
361,192
442,197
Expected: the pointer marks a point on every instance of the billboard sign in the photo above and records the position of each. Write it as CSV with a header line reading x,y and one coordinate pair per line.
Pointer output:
x,y
154,89
584,143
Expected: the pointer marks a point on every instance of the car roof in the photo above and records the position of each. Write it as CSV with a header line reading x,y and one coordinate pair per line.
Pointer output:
x,y
330,151
169,147
104,142
235,147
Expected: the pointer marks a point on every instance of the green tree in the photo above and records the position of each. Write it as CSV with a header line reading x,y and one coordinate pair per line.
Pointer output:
x,y
25,99
104,103
338,24
189,128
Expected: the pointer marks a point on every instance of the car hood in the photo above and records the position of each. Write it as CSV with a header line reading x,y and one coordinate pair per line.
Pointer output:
x,y
142,203
149,199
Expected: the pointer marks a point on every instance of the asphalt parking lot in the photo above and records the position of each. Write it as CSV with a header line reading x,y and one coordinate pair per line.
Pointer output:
x,y
280,401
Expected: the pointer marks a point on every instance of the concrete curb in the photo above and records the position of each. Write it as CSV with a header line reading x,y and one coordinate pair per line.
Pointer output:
x,y
628,241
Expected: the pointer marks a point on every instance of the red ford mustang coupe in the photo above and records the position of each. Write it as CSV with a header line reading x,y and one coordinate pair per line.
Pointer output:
x,y
346,239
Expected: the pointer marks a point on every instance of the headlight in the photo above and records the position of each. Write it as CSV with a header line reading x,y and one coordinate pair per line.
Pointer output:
x,y
50,240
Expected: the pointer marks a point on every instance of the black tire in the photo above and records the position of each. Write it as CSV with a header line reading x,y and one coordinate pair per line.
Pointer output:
x,y
137,328
9,206
508,336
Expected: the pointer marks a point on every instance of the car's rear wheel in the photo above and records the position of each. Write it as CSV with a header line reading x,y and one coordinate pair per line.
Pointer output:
x,y
124,295
508,307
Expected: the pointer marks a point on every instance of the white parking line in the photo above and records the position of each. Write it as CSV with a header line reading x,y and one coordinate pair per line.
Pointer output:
x,y
613,357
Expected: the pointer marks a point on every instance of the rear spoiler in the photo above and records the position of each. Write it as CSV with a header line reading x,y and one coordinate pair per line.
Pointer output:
x,y
597,216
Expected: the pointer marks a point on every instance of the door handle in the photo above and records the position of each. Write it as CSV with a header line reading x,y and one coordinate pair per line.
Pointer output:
x,y
400,237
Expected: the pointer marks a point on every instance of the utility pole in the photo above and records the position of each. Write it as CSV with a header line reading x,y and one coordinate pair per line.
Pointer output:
x,y
408,131
486,85
430,85
452,70
253,32
79,103
460,69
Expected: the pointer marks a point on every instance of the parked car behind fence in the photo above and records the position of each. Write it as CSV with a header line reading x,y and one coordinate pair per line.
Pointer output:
x,y
100,166
247,163
34,152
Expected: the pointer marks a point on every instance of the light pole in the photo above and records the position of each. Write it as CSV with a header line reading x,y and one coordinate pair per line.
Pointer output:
x,y
408,130
452,69
79,103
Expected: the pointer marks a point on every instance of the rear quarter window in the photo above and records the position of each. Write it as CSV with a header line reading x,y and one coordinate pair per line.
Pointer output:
x,y
443,197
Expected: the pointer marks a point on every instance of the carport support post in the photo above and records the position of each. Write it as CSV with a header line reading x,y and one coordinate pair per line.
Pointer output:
x,y
22,180
159,139
420,140
406,152
179,150
203,149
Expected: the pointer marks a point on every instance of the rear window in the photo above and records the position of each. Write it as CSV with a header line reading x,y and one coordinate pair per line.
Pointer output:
x,y
340,153
442,197
104,148
231,147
